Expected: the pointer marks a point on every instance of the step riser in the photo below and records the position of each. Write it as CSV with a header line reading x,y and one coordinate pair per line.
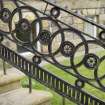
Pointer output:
x,y
11,81
10,86
22,97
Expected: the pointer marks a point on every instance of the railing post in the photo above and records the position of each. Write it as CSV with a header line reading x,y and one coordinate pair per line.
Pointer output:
x,y
30,85
46,8
63,101
4,68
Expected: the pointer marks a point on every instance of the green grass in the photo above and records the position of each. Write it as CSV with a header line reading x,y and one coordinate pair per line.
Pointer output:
x,y
57,100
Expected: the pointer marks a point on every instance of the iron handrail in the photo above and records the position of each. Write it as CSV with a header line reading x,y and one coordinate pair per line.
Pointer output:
x,y
34,70
77,15
48,79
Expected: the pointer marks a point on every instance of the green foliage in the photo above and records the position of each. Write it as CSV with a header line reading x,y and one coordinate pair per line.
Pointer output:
x,y
57,100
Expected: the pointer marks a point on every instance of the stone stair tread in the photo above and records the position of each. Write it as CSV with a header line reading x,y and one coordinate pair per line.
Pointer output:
x,y
23,97
12,75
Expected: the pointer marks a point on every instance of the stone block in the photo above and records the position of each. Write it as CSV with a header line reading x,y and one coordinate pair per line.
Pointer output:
x,y
23,97
11,80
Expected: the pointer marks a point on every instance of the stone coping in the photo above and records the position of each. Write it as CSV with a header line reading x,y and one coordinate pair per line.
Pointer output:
x,y
23,97
12,75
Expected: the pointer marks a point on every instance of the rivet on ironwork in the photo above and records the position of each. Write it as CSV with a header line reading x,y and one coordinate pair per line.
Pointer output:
x,y
36,59
102,35
55,12
79,83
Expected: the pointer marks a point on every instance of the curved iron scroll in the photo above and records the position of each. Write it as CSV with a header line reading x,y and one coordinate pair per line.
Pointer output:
x,y
79,50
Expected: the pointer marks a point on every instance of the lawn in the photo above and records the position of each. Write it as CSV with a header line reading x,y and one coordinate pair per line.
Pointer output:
x,y
57,100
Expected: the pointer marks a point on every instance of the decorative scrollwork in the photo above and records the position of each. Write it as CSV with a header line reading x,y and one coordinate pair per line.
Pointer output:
x,y
63,42
67,49
5,14
91,61
58,43
22,26
44,37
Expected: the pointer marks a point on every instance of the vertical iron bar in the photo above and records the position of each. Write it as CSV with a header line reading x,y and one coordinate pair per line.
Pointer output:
x,y
63,101
30,79
30,85
45,8
1,4
4,68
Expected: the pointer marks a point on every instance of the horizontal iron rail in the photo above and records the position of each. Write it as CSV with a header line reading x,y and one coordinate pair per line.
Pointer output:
x,y
77,15
61,67
48,79
88,8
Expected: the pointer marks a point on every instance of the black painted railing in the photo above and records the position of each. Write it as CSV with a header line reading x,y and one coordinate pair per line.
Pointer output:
x,y
48,79
57,43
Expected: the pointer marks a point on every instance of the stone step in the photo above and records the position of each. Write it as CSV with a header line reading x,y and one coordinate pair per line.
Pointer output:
x,y
10,81
23,97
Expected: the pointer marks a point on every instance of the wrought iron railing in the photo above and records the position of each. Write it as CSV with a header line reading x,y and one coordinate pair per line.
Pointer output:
x,y
57,43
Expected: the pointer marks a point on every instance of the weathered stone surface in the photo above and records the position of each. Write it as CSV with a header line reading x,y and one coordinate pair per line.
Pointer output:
x,y
11,80
22,97
10,86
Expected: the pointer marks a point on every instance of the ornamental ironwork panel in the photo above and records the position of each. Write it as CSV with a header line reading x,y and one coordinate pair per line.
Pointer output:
x,y
59,43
